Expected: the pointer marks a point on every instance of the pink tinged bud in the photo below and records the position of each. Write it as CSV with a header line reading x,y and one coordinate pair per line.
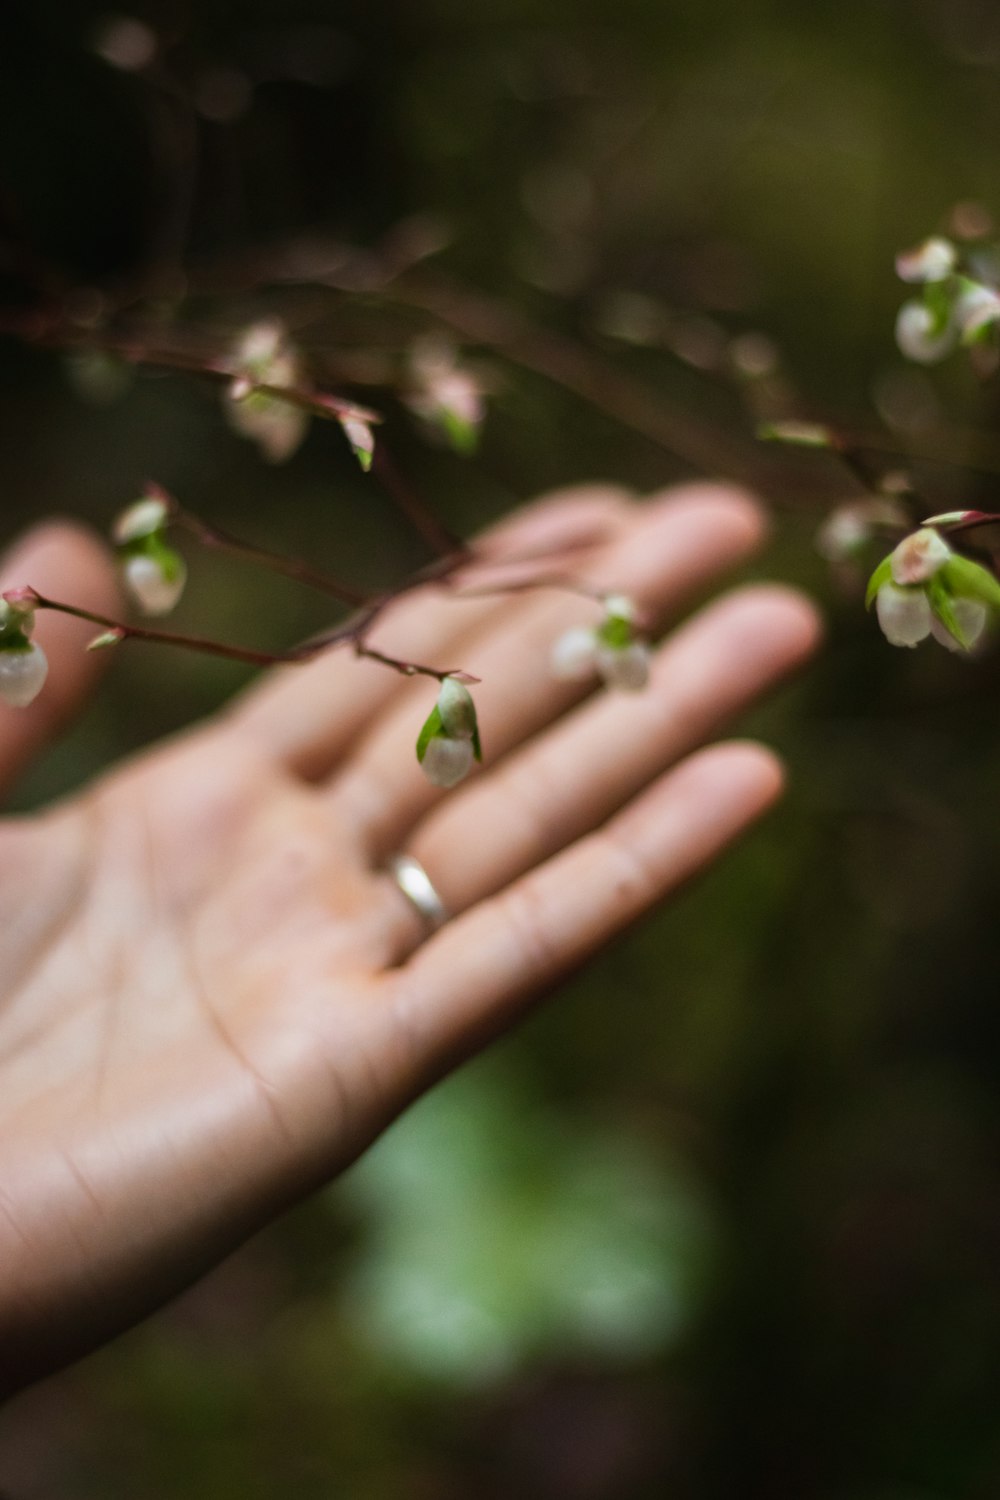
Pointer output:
x,y
972,618
574,655
22,675
920,338
976,308
904,614
361,439
932,261
259,345
626,668
447,761
919,556
141,519
17,609
148,584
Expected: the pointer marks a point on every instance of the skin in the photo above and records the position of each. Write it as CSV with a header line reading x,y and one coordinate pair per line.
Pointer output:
x,y
212,997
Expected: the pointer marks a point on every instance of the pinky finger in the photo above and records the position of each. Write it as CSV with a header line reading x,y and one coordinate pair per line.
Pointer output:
x,y
475,978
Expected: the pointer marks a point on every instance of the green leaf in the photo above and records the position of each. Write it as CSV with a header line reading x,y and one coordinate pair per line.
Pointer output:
x,y
477,748
965,579
12,638
432,730
940,602
463,436
616,631
882,574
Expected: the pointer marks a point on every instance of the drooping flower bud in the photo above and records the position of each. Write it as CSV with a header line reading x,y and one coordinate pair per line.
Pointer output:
x,y
972,617
919,556
904,614
932,261
622,658
924,336
265,356
446,762
574,655
155,580
449,740
153,573
23,671
446,394
361,438
851,526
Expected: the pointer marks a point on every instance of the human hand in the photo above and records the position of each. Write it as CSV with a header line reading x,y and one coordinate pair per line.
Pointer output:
x,y
212,997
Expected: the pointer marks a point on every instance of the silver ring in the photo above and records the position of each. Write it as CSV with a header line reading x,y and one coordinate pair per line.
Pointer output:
x,y
415,884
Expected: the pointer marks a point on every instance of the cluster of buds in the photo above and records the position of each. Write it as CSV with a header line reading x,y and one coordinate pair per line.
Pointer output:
x,y
613,649
265,356
445,394
924,588
449,740
153,573
23,664
955,306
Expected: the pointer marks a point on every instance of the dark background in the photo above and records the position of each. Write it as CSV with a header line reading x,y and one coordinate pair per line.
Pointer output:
x,y
724,1221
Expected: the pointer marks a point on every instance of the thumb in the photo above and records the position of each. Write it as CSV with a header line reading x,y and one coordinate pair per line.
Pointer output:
x,y
69,563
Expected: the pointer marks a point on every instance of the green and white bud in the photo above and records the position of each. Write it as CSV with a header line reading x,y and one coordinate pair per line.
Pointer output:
x,y
154,579
23,670
919,556
264,355
922,336
146,516
449,740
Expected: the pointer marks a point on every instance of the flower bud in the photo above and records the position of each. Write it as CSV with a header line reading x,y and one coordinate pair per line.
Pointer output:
x,y
972,617
457,710
362,440
919,556
446,761
904,614
932,261
155,579
265,356
574,655
626,668
146,516
921,336
23,670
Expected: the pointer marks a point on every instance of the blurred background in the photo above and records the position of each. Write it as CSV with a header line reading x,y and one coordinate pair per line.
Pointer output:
x,y
724,1220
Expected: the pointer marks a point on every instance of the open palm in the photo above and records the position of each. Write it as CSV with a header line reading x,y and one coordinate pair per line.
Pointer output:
x,y
212,997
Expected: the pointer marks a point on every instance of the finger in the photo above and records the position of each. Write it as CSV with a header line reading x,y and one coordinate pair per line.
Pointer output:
x,y
592,762
676,545
66,562
306,717
478,974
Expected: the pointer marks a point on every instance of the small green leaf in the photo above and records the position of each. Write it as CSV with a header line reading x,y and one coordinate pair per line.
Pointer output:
x,y
939,299
940,602
463,436
616,631
431,730
477,748
882,574
966,579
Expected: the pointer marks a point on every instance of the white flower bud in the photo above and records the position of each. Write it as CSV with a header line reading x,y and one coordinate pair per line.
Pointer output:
x,y
141,519
22,675
976,307
457,710
277,427
147,582
919,556
624,667
574,655
264,356
904,614
932,261
972,617
446,761
919,337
